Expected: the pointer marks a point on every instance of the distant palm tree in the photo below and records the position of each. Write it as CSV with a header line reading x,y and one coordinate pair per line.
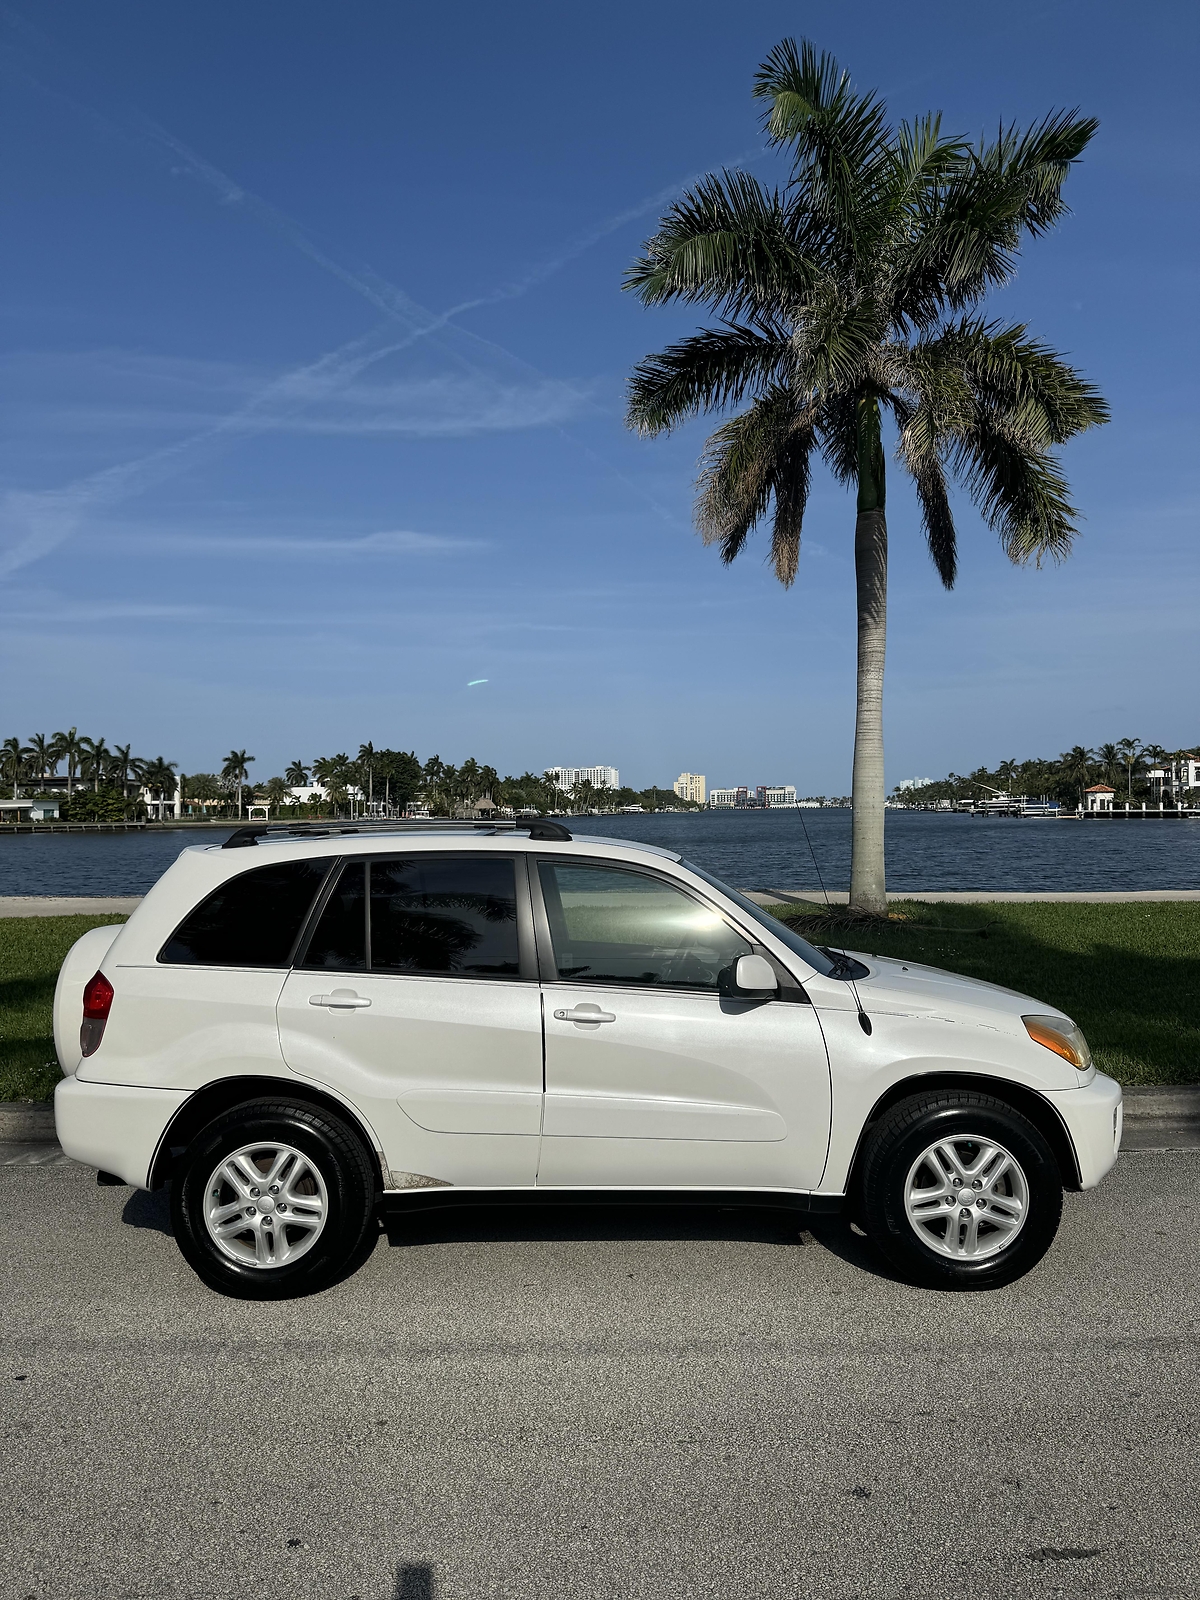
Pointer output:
x,y
297,775
1129,750
366,760
121,766
159,777
1075,770
1110,758
96,756
847,294
41,754
235,770
13,757
68,747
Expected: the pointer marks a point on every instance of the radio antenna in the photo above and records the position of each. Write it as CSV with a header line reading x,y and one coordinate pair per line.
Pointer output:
x,y
864,1021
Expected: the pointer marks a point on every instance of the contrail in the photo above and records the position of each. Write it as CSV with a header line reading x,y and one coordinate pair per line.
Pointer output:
x,y
49,517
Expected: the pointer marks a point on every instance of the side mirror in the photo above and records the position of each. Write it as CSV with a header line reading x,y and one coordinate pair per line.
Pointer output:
x,y
754,978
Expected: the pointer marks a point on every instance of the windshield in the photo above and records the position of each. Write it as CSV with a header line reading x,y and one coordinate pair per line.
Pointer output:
x,y
816,959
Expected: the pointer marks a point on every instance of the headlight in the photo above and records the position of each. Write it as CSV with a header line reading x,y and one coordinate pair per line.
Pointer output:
x,y
1061,1036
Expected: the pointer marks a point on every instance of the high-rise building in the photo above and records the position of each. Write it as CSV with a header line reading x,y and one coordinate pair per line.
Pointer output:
x,y
690,786
599,777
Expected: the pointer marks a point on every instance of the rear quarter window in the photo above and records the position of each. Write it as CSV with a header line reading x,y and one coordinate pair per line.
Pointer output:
x,y
253,920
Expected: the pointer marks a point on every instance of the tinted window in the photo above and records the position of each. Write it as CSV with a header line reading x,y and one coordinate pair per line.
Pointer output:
x,y
339,939
610,926
431,914
251,921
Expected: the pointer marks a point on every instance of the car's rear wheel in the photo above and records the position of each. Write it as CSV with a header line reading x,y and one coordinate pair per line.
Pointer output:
x,y
960,1190
274,1199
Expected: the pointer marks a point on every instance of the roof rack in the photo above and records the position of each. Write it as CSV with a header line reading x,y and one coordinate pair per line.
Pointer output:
x,y
537,828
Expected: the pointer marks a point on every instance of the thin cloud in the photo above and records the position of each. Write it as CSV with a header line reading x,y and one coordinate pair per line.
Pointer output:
x,y
385,545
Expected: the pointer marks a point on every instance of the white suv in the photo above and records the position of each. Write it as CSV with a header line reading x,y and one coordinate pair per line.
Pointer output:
x,y
293,1028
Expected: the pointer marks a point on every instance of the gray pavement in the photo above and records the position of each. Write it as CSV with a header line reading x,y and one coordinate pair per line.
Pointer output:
x,y
672,1405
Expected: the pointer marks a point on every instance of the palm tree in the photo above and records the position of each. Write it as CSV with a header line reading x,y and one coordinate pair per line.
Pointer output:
x,y
235,771
1129,750
41,754
68,747
1075,770
13,756
366,762
849,294
159,777
297,775
1110,758
121,765
96,756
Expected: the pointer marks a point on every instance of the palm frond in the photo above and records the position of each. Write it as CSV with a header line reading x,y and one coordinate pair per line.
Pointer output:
x,y
966,230
918,448
1022,494
838,138
762,453
712,369
730,243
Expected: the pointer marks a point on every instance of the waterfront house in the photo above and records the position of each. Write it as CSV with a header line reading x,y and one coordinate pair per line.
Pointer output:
x,y
1099,797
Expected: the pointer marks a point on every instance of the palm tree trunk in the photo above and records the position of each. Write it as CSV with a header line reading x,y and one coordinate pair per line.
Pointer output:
x,y
868,887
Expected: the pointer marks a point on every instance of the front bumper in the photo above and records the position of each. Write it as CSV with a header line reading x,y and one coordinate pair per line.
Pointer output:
x,y
114,1126
1093,1117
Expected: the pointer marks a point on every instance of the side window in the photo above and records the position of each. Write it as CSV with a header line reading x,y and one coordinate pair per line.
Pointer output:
x,y
251,921
612,926
447,914
339,940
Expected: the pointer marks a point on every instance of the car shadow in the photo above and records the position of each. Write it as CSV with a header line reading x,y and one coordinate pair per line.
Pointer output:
x,y
146,1210
548,1219
551,1219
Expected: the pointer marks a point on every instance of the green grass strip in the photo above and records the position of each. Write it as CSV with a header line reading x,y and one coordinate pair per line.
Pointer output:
x,y
1128,973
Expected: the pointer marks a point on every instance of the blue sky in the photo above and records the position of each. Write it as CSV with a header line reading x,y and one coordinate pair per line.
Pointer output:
x,y
314,353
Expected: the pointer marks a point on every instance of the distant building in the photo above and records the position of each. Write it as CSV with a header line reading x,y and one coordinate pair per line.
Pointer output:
x,y
775,795
1099,797
1173,779
722,799
690,786
599,777
915,783
43,808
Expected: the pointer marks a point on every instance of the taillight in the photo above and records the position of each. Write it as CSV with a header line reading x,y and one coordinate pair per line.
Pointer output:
x,y
97,1003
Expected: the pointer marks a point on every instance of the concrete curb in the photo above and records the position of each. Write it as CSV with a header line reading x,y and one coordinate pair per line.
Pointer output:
x,y
26,1121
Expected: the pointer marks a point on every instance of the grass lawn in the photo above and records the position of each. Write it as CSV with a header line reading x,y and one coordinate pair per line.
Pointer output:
x,y
1129,974
31,952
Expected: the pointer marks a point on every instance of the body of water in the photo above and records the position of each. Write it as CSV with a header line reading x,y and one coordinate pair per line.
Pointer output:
x,y
750,849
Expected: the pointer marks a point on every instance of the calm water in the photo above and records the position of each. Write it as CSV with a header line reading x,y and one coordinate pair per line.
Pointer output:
x,y
751,849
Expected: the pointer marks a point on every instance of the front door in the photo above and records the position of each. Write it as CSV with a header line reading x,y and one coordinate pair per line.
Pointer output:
x,y
653,1075
417,997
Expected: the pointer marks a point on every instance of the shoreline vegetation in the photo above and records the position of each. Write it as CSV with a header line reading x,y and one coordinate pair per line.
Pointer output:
x,y
1137,773
1128,973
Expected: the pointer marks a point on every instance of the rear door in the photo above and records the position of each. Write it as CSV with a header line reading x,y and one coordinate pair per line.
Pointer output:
x,y
653,1075
416,995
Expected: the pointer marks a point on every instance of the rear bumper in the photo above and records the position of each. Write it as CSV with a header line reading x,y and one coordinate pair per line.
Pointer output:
x,y
1093,1117
114,1126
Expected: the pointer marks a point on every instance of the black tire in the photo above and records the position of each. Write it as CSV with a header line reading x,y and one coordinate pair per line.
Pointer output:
x,y
899,1140
349,1205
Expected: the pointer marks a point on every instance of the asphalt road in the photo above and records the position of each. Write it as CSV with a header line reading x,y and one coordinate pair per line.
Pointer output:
x,y
666,1405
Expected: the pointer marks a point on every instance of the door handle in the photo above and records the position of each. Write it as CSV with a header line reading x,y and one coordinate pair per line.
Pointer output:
x,y
585,1013
340,1000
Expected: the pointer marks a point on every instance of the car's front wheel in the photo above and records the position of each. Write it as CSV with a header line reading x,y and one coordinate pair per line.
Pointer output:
x,y
273,1199
960,1190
